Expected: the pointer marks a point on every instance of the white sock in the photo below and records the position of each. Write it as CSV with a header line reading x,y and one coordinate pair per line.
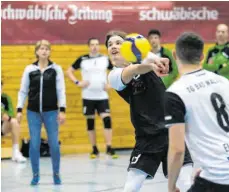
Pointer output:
x,y
184,181
16,148
135,179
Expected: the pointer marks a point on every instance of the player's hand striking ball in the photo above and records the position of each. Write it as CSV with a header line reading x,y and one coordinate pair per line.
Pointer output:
x,y
161,66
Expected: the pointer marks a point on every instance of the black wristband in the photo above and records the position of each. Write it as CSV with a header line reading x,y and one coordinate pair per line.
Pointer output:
x,y
76,82
19,110
62,109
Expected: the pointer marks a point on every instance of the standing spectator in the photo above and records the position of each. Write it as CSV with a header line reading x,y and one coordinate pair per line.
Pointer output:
x,y
10,124
94,86
154,37
43,82
217,59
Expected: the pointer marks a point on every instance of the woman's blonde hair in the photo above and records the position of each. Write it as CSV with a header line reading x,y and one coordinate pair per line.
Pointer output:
x,y
40,43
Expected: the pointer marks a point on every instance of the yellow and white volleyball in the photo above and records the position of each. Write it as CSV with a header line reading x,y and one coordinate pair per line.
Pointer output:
x,y
135,48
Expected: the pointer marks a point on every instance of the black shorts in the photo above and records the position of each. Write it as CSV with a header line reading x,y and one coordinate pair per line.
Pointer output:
x,y
101,106
149,162
203,185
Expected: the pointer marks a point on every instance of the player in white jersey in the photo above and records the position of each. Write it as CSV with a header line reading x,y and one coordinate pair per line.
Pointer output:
x,y
94,86
197,111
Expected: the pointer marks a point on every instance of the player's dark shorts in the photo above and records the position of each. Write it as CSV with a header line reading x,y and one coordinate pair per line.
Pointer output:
x,y
149,162
90,106
203,185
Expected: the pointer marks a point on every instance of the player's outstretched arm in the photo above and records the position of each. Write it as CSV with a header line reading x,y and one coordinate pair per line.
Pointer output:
x,y
160,66
120,77
133,70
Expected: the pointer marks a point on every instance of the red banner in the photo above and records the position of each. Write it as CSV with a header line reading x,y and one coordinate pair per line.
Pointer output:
x,y
75,22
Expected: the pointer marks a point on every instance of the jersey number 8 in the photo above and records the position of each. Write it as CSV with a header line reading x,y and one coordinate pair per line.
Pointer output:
x,y
221,113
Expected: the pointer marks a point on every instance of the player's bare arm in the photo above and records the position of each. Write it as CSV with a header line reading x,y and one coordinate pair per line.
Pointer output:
x,y
70,74
159,66
176,154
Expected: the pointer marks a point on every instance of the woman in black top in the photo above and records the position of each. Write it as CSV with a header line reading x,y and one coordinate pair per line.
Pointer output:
x,y
43,82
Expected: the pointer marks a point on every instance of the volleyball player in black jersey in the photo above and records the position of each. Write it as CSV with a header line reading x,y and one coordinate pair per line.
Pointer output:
x,y
140,85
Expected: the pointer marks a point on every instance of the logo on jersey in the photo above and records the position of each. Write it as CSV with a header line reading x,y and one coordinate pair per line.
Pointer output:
x,y
136,77
135,159
138,85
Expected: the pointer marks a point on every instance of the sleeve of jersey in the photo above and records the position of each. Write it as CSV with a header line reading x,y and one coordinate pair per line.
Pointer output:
x,y
115,79
3,110
24,89
209,55
76,64
60,88
174,109
125,94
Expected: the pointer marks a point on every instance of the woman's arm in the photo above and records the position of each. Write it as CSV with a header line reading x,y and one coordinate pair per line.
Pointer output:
x,y
24,89
60,88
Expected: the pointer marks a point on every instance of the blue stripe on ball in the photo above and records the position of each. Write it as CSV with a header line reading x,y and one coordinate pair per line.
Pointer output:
x,y
139,37
135,50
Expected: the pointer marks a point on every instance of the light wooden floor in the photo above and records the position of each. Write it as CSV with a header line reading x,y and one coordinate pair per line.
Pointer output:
x,y
79,174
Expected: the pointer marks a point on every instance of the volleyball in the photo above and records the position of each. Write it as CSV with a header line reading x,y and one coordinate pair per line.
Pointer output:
x,y
135,48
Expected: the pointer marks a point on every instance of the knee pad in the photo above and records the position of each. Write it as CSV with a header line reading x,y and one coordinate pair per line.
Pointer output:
x,y
135,179
129,188
107,122
90,124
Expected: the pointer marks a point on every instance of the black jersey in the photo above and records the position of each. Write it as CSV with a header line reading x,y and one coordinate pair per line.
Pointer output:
x,y
145,94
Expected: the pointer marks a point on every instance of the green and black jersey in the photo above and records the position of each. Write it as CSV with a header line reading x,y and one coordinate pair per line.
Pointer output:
x,y
6,105
217,60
